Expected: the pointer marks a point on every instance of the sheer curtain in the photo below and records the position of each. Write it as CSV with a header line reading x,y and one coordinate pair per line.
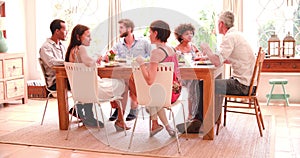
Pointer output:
x,y
236,6
114,15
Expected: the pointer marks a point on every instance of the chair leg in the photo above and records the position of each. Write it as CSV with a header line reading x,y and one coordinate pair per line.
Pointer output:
x,y
225,110
150,124
176,133
260,114
285,95
270,94
95,109
142,114
185,127
77,115
110,112
45,109
131,138
218,124
105,128
69,127
257,118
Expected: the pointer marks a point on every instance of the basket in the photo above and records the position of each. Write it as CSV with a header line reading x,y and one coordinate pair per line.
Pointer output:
x,y
36,89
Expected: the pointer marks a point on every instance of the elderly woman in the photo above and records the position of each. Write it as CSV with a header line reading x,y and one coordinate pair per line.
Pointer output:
x,y
184,33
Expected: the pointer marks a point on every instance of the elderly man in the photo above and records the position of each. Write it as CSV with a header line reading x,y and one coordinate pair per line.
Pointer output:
x,y
236,51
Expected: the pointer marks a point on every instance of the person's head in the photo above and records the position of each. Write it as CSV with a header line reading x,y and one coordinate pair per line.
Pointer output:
x,y
184,32
58,29
226,21
159,31
126,26
80,36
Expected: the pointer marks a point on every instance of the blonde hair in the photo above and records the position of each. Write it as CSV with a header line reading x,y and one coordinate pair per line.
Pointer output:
x,y
228,18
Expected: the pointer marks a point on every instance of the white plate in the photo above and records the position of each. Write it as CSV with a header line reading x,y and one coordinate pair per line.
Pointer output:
x,y
112,64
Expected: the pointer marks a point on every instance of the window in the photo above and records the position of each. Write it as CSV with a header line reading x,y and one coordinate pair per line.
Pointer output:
x,y
267,17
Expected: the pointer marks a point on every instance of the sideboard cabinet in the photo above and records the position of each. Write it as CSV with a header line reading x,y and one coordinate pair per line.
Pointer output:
x,y
281,65
12,78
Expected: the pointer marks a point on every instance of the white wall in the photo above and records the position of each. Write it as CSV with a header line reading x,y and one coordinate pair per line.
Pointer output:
x,y
21,33
16,28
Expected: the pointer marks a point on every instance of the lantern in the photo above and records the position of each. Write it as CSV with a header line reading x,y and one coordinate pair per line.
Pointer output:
x,y
274,46
288,46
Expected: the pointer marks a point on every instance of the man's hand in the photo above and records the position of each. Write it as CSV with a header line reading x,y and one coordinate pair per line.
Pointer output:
x,y
205,48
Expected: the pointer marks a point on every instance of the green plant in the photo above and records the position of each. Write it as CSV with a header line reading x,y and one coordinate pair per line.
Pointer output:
x,y
206,32
265,32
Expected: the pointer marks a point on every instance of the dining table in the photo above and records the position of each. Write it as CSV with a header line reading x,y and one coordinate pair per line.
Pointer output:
x,y
206,72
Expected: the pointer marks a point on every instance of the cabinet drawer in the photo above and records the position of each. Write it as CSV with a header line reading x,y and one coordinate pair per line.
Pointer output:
x,y
13,67
1,69
15,88
281,66
1,91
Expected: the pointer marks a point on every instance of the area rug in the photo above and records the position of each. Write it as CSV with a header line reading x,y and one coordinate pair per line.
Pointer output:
x,y
239,137
141,142
92,139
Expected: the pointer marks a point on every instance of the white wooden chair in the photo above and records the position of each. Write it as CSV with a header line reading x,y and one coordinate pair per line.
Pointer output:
x,y
157,94
84,88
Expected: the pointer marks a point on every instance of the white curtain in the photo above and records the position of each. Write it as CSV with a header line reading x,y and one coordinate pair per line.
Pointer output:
x,y
114,15
236,6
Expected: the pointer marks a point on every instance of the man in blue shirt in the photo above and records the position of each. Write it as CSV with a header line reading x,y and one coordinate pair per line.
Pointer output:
x,y
132,46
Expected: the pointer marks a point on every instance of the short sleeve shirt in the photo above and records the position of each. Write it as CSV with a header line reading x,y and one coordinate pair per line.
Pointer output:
x,y
140,47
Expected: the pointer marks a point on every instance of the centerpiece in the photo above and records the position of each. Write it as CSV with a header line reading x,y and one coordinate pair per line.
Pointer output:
x,y
111,55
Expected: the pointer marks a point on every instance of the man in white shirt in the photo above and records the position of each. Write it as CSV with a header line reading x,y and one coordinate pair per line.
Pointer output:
x,y
236,51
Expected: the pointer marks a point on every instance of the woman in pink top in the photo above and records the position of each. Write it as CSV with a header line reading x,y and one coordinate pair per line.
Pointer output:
x,y
159,34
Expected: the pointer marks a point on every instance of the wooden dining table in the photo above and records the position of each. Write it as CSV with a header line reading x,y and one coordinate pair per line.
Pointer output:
x,y
207,73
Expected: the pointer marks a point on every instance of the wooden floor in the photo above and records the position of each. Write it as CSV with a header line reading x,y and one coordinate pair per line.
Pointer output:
x,y
17,116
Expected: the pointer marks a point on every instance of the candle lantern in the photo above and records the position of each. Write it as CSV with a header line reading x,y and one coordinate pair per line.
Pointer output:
x,y
288,46
274,46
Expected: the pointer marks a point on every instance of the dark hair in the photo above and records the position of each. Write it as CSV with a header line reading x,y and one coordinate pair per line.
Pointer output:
x,y
56,25
128,23
162,28
181,29
77,31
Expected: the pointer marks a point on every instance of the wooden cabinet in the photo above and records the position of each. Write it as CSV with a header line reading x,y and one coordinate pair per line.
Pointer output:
x,y
281,65
12,78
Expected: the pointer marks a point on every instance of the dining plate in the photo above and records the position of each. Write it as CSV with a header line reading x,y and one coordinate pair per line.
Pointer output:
x,y
203,63
112,64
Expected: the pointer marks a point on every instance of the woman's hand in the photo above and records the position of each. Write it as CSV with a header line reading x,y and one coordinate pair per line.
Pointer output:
x,y
98,61
140,60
